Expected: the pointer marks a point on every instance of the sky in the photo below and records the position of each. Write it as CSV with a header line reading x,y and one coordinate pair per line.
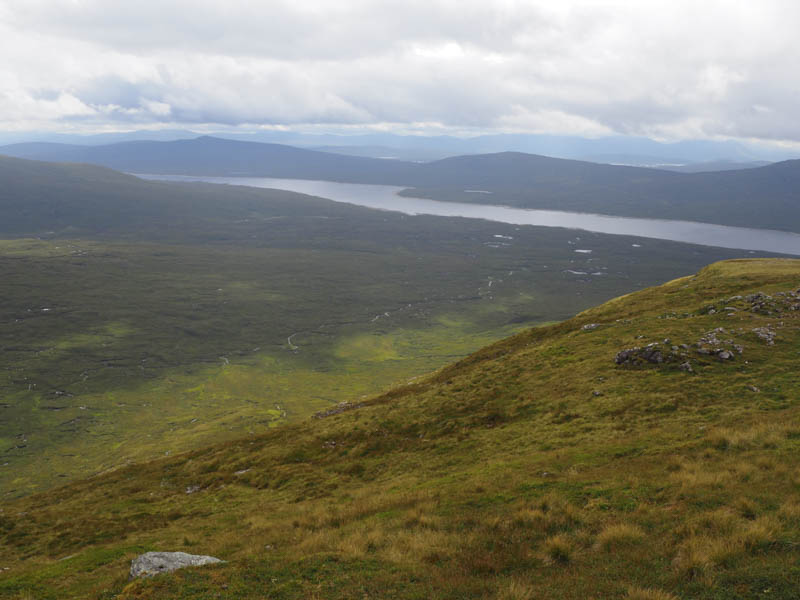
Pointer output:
x,y
669,70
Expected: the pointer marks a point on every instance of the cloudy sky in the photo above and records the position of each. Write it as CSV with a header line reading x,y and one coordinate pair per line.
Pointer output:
x,y
671,70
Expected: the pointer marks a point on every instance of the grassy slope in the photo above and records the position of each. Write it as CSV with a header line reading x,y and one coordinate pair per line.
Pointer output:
x,y
137,330
154,317
119,351
535,468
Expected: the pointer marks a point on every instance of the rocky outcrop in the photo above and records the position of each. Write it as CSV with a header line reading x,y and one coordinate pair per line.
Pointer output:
x,y
765,333
710,344
759,303
153,563
339,408
652,354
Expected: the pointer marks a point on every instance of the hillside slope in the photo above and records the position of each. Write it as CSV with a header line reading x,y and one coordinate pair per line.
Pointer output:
x,y
578,460
764,197
216,156
66,199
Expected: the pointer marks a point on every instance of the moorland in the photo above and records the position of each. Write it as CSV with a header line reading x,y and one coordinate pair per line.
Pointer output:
x,y
141,319
566,461
342,402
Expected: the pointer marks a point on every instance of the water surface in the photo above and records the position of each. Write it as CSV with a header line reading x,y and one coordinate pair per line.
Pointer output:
x,y
384,197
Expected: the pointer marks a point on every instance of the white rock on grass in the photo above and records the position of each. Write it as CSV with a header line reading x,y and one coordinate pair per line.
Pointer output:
x,y
153,563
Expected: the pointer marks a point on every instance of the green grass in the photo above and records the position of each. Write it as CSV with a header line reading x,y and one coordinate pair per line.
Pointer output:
x,y
129,343
534,468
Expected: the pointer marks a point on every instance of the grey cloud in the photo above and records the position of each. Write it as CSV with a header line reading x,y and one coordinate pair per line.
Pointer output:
x,y
671,69
280,28
114,90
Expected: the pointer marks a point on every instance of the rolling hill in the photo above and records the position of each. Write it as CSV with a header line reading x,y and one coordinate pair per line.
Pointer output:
x,y
216,156
764,197
644,449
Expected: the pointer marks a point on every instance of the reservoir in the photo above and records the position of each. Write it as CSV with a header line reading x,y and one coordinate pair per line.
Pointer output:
x,y
385,197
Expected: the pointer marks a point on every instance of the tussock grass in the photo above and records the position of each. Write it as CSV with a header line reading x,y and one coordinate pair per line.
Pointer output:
x,y
719,522
746,507
635,593
761,435
761,534
515,589
789,511
559,549
697,476
620,535
697,556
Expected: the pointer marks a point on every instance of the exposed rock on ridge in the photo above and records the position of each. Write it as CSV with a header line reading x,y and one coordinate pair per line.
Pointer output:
x,y
153,563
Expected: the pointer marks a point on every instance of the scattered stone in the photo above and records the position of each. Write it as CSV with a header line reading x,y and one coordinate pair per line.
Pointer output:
x,y
757,303
766,334
753,388
687,366
153,563
710,344
590,326
637,356
596,393
339,408
191,489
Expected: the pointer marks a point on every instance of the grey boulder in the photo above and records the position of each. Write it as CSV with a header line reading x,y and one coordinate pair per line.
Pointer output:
x,y
153,563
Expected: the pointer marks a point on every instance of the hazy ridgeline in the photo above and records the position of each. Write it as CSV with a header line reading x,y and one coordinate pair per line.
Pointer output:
x,y
764,197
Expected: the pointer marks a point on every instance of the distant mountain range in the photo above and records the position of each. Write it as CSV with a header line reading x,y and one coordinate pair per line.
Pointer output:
x,y
757,197
666,164
628,150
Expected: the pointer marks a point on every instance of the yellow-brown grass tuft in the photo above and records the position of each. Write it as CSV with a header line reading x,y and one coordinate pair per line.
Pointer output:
x,y
637,593
790,511
756,436
761,533
515,589
618,536
558,549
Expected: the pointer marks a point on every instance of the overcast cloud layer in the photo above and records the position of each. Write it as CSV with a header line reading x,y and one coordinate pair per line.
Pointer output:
x,y
672,69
